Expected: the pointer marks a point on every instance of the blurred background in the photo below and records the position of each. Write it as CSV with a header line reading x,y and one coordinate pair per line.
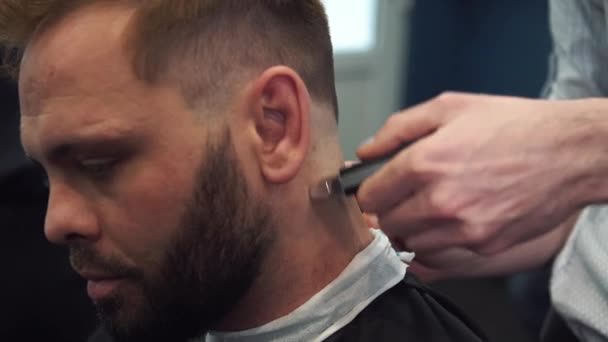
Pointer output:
x,y
393,54
390,54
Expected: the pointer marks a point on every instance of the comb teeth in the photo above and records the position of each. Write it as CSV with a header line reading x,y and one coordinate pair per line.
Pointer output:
x,y
325,189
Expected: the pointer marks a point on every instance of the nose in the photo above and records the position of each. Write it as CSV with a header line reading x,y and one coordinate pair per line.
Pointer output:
x,y
69,217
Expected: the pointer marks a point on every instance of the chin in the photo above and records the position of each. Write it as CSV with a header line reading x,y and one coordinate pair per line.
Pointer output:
x,y
131,315
123,314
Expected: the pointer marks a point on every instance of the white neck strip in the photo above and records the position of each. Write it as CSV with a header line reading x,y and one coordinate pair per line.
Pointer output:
x,y
372,272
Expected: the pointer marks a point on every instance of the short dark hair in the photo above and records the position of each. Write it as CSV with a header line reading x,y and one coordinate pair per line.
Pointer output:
x,y
201,44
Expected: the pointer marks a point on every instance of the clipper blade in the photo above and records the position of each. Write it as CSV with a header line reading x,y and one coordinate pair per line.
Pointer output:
x,y
326,189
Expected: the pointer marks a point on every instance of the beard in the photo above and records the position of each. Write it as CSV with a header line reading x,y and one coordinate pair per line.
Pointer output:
x,y
208,267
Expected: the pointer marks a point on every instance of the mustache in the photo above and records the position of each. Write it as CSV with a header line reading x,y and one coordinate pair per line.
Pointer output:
x,y
84,258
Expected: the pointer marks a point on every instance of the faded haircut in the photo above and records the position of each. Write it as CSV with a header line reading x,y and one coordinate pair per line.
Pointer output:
x,y
200,45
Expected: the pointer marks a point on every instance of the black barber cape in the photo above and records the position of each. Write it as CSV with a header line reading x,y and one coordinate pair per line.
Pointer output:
x,y
409,311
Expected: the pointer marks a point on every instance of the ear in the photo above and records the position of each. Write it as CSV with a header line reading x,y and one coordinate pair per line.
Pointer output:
x,y
279,105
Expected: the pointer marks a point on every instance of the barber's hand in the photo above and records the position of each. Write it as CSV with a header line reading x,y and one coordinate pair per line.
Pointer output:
x,y
487,174
458,262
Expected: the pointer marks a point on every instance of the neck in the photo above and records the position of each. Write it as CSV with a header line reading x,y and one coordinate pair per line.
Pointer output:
x,y
312,250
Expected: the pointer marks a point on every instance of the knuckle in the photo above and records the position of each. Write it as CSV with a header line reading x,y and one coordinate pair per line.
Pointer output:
x,y
435,200
440,202
447,97
395,174
394,170
449,101
418,161
476,236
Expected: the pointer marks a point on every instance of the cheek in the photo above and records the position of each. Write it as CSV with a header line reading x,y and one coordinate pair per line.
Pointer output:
x,y
146,217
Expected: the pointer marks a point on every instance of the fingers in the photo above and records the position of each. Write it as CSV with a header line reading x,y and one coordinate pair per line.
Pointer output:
x,y
419,121
412,215
449,263
393,183
448,259
495,246
418,227
434,239
398,178
507,238
428,236
370,220
400,128
425,274
415,123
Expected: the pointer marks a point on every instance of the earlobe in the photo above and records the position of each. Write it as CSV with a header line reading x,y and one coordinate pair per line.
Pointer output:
x,y
281,104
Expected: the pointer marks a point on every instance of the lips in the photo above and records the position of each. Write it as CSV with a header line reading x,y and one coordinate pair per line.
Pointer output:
x,y
100,289
100,286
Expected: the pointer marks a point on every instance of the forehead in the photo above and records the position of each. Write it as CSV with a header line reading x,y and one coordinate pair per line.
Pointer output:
x,y
86,50
77,80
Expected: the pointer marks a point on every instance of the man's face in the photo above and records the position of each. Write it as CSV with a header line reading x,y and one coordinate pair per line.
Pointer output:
x,y
148,195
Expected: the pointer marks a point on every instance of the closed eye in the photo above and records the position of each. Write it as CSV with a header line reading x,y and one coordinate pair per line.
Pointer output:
x,y
97,166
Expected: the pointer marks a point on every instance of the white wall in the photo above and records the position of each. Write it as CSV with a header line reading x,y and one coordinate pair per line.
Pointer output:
x,y
370,40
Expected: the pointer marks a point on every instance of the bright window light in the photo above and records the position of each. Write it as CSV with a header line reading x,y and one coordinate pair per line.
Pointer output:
x,y
352,24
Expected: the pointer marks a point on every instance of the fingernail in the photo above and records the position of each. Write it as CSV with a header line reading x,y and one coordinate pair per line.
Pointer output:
x,y
367,142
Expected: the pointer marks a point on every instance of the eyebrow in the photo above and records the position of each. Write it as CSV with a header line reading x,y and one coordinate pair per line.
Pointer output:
x,y
68,147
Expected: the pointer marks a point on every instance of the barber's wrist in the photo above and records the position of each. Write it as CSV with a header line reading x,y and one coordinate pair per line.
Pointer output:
x,y
589,123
